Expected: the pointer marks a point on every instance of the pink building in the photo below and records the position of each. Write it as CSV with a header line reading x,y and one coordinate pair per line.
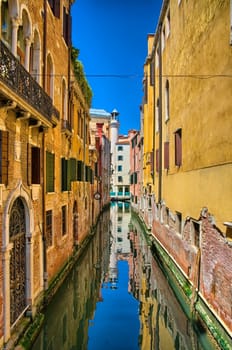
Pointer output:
x,y
135,173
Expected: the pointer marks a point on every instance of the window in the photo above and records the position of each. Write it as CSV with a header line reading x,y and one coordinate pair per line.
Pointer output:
x,y
145,90
66,26
178,222
120,157
196,232
120,168
119,229
3,157
120,148
157,160
35,165
64,173
167,101
166,155
6,23
168,24
55,7
50,162
64,100
152,72
230,22
48,228
64,220
178,147
163,38
49,77
119,178
80,170
166,216
157,116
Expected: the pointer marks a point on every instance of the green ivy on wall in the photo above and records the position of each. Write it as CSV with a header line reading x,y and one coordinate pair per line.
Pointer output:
x,y
80,76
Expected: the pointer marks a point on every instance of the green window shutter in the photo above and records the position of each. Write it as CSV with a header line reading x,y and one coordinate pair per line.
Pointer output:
x,y
50,161
73,169
64,173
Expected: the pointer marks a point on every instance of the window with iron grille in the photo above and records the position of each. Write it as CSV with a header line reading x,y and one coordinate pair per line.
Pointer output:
x,y
49,228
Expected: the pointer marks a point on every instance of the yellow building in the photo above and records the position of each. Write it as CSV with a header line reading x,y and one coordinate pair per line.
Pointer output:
x,y
190,61
46,173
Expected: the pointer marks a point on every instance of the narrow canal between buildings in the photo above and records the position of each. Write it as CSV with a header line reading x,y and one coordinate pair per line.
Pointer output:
x,y
117,297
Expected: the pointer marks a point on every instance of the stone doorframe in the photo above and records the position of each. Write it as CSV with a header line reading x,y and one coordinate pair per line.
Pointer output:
x,y
21,192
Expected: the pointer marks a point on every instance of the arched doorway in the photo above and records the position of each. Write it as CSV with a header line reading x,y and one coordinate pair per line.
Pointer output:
x,y
17,237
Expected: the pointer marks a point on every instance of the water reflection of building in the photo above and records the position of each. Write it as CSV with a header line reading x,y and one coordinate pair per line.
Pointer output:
x,y
119,242
68,315
163,323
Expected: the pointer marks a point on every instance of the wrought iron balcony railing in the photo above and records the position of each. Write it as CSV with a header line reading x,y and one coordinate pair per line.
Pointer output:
x,y
17,78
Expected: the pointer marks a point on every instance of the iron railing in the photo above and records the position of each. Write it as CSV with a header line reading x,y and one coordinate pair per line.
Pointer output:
x,y
17,78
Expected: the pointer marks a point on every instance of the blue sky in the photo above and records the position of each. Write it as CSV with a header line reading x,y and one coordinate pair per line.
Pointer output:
x,y
112,38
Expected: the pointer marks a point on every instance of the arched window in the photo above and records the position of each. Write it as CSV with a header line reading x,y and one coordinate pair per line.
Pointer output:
x,y
5,23
64,100
23,40
35,58
49,76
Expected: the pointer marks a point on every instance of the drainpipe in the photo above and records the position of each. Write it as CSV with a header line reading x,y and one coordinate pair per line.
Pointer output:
x,y
43,163
160,117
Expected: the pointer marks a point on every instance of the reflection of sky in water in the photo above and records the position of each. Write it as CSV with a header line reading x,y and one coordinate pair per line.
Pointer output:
x,y
116,323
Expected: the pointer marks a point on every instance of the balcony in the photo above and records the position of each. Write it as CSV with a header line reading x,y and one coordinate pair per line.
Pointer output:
x,y
66,127
18,80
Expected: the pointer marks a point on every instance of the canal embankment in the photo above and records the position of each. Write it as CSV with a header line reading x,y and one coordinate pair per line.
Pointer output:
x,y
27,330
193,303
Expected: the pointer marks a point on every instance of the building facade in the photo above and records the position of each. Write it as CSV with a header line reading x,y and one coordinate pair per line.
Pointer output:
x,y
46,168
187,164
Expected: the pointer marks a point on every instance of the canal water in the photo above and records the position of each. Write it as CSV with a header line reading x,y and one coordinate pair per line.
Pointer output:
x,y
117,297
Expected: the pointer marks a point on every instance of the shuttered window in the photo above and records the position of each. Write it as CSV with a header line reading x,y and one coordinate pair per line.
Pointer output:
x,y
50,162
178,147
35,165
166,155
3,157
